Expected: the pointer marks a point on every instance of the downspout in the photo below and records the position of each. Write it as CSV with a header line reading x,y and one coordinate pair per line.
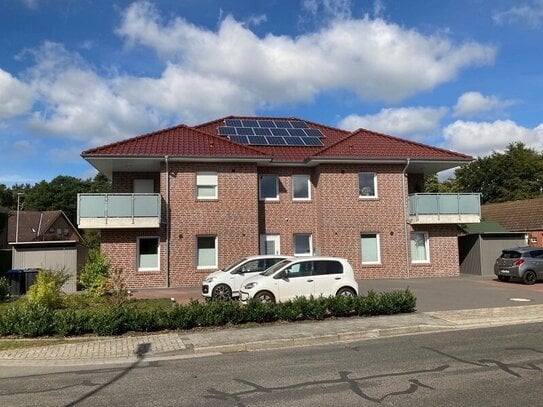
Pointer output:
x,y
167,221
405,209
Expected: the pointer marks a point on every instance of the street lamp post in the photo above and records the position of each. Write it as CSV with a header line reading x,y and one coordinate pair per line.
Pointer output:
x,y
17,222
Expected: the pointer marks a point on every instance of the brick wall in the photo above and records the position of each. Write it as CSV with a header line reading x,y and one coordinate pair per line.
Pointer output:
x,y
335,217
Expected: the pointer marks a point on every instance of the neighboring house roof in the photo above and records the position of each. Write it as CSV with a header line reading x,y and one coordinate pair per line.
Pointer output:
x,y
203,141
34,225
523,215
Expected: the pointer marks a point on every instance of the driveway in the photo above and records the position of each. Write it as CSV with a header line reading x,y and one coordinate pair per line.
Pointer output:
x,y
433,294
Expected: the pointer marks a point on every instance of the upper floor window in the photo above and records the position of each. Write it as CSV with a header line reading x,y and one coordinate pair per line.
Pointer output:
x,y
206,185
420,252
268,187
301,188
367,185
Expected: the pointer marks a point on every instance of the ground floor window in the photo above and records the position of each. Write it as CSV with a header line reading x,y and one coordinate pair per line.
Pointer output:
x,y
270,244
302,244
148,253
420,252
370,248
206,251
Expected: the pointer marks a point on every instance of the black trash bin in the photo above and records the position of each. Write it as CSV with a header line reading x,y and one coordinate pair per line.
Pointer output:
x,y
16,282
30,276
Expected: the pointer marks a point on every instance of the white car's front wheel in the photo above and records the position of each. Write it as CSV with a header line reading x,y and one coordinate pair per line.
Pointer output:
x,y
221,292
265,297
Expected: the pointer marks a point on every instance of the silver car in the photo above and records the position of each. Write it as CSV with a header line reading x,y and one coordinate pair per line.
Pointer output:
x,y
525,263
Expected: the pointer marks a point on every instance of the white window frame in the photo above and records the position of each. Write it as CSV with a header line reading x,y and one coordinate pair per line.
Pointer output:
x,y
207,179
264,238
378,248
260,197
307,180
426,247
310,236
216,259
375,195
139,268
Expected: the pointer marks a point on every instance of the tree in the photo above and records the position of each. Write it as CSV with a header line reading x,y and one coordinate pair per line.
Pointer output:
x,y
514,174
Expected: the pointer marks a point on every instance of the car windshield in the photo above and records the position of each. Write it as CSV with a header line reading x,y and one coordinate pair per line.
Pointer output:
x,y
509,254
234,265
275,267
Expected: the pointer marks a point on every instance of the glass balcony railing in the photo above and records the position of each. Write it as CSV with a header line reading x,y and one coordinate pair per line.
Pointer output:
x,y
444,208
101,211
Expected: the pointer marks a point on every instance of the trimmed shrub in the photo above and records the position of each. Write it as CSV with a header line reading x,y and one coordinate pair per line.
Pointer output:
x,y
69,322
46,291
30,320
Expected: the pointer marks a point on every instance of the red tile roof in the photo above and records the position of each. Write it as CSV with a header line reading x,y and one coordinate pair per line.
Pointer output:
x,y
203,141
522,215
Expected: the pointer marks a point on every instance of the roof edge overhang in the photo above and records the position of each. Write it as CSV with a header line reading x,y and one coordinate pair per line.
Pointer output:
x,y
417,165
44,242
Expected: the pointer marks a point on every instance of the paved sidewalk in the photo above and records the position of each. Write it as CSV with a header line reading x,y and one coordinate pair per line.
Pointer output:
x,y
129,349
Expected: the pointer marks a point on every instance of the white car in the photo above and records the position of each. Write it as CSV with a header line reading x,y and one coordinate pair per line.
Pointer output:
x,y
225,284
302,277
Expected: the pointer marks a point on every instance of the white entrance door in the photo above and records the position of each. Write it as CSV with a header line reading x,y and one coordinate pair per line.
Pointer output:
x,y
269,244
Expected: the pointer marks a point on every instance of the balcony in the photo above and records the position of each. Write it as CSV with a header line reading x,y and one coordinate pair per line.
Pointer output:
x,y
110,211
444,208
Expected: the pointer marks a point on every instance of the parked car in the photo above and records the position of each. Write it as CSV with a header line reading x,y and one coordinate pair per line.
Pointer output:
x,y
224,284
302,277
525,263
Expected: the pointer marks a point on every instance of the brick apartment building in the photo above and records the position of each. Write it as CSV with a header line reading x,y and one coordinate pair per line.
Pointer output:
x,y
189,200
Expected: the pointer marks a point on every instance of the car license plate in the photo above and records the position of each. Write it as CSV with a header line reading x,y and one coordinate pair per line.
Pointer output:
x,y
504,271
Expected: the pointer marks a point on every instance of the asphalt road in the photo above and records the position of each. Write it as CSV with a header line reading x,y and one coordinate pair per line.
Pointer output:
x,y
487,367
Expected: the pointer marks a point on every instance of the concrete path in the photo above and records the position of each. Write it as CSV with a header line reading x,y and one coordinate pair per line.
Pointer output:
x,y
181,344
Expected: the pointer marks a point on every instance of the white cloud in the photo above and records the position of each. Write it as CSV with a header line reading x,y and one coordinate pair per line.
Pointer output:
x,y
528,13
15,96
25,147
65,155
77,103
375,59
481,138
472,103
401,121
336,9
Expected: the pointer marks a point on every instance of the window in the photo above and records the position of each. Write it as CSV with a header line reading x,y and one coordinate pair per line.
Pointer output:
x,y
367,185
323,267
207,252
206,185
148,253
302,245
269,188
301,188
419,247
299,270
370,248
270,244
144,186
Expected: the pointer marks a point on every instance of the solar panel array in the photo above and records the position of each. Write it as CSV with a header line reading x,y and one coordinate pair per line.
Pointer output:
x,y
271,132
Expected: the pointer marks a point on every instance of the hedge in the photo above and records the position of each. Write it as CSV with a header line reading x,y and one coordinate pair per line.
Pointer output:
x,y
31,320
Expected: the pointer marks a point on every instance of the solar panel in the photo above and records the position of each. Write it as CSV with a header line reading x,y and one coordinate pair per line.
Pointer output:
x,y
298,124
239,139
283,123
245,131
279,132
312,141
276,141
233,122
224,131
262,132
297,132
249,123
294,141
314,133
258,140
266,123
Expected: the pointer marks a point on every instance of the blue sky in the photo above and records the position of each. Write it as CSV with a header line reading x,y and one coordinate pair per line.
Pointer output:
x,y
74,74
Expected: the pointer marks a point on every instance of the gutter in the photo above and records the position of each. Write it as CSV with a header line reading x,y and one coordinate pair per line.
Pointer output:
x,y
167,221
405,209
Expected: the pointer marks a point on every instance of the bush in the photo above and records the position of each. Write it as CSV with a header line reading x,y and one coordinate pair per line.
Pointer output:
x,y
4,289
94,276
46,291
96,315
